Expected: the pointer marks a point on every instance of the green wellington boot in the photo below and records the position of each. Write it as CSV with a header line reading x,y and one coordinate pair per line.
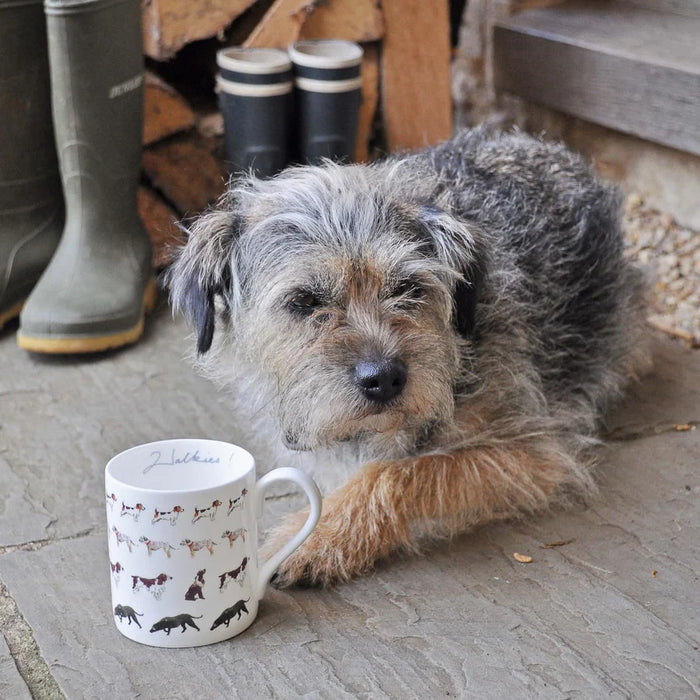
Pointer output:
x,y
94,293
31,202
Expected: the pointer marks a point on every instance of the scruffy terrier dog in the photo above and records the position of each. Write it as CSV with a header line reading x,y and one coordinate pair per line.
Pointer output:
x,y
460,316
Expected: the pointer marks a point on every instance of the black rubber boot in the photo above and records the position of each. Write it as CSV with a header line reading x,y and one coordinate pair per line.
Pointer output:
x,y
328,92
95,291
255,97
31,201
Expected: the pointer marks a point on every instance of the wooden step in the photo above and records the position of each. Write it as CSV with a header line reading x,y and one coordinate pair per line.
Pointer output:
x,y
613,63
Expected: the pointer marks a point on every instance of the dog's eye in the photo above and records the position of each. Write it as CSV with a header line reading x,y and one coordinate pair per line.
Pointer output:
x,y
304,302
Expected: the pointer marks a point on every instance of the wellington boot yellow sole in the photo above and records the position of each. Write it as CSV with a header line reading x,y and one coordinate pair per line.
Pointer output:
x,y
10,313
98,343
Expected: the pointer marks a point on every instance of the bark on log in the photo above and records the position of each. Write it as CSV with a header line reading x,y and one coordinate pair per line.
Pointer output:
x,y
184,170
159,221
170,24
370,100
354,20
165,111
289,20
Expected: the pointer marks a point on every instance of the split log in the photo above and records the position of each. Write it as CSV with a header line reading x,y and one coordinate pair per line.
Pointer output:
x,y
184,170
415,75
159,221
211,124
289,20
280,26
370,100
354,20
165,111
170,24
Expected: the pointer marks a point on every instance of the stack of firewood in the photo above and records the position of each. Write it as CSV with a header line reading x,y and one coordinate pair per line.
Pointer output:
x,y
405,86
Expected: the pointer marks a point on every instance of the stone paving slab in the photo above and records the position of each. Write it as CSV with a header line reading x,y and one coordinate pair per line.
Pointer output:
x,y
61,419
12,684
20,520
668,395
585,619
642,534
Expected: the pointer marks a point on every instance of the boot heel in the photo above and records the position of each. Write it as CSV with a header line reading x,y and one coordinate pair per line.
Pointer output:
x,y
9,314
150,296
79,345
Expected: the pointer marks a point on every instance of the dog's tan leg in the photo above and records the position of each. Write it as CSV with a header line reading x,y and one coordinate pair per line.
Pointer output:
x,y
389,505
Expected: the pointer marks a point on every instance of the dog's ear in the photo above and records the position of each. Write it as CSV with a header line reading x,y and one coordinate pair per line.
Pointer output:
x,y
204,268
459,247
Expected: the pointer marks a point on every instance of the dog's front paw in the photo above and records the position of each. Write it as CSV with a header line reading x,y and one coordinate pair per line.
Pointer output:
x,y
323,559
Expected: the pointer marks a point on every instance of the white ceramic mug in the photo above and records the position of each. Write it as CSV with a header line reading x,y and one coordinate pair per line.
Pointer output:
x,y
182,526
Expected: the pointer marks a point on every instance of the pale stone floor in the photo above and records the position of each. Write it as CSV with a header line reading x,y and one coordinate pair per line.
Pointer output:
x,y
585,620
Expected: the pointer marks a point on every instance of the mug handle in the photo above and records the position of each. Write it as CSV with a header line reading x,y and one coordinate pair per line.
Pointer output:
x,y
314,496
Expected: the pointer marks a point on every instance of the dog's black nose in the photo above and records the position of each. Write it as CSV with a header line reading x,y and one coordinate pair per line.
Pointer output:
x,y
381,380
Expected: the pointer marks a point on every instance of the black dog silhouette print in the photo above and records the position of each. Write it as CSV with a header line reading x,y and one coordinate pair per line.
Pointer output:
x,y
167,623
238,609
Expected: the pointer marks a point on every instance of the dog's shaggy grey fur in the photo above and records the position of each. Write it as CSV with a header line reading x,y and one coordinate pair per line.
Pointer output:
x,y
491,265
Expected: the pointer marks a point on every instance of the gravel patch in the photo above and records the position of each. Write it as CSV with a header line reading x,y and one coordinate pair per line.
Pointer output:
x,y
670,253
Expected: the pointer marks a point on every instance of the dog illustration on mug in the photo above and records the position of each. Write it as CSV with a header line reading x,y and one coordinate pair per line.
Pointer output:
x,y
199,545
452,322
237,575
196,589
170,515
117,570
183,620
233,535
155,545
124,611
238,502
208,512
155,586
134,511
122,537
227,615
